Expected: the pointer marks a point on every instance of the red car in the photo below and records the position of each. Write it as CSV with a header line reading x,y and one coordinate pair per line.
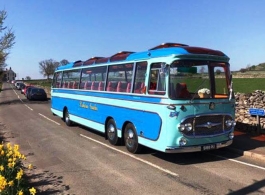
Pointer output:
x,y
23,91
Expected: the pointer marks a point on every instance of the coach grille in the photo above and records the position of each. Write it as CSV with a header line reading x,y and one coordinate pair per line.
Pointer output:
x,y
207,125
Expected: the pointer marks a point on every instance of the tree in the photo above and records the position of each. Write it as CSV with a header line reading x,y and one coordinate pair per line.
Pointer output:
x,y
7,40
243,70
47,67
248,67
218,71
64,62
28,78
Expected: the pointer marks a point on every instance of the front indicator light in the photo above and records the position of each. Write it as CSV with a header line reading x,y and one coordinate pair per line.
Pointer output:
x,y
231,135
182,141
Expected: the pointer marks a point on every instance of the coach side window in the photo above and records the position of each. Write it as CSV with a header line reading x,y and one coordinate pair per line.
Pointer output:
x,y
139,81
120,77
221,83
71,79
85,78
98,77
57,80
157,84
93,78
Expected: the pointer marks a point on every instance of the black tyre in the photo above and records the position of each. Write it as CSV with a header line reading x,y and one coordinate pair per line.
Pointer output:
x,y
112,133
131,139
67,120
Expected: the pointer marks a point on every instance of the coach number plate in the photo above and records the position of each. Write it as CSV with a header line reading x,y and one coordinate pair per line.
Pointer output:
x,y
209,147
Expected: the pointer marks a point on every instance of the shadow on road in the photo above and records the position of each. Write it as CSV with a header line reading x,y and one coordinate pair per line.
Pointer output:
x,y
254,188
47,183
24,101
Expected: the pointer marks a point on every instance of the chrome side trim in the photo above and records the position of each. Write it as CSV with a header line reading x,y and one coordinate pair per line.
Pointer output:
x,y
196,148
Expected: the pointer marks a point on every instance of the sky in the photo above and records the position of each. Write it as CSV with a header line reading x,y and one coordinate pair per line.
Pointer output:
x,y
81,29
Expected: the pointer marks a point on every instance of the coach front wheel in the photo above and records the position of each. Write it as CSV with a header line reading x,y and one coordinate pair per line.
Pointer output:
x,y
67,120
131,139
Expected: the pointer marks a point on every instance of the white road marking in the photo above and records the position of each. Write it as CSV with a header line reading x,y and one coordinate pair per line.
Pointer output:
x,y
240,162
49,119
32,109
24,103
28,106
132,156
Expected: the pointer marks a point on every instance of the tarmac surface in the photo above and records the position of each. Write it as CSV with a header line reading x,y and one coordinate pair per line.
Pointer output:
x,y
248,144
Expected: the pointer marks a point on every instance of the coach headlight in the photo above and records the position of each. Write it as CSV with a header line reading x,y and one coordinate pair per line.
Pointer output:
x,y
228,123
188,126
181,127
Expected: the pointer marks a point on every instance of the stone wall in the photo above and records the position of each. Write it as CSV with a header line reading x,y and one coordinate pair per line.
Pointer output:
x,y
245,101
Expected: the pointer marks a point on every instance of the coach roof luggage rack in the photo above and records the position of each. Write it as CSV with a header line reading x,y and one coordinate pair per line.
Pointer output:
x,y
120,56
190,49
102,60
78,63
116,57
92,60
166,45
123,55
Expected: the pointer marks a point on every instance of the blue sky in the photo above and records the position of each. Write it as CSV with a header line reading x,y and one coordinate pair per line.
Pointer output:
x,y
80,29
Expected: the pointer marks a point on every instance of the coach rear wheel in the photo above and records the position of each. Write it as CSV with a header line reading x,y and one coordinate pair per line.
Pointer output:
x,y
112,133
67,120
131,139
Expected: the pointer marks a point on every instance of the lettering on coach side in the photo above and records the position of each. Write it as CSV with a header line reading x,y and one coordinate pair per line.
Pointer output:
x,y
86,106
93,107
83,105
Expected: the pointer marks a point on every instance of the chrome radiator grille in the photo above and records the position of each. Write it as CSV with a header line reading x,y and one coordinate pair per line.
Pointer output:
x,y
207,125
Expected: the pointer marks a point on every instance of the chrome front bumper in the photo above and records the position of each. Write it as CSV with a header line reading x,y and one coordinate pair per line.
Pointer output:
x,y
196,148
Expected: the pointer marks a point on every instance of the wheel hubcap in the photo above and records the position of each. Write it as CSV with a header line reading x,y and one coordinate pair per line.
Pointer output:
x,y
111,131
130,135
130,138
67,118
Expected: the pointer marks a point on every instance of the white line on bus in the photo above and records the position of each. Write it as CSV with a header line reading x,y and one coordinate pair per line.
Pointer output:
x,y
49,119
240,162
132,156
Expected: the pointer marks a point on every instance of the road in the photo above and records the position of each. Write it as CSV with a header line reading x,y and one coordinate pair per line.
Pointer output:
x,y
77,160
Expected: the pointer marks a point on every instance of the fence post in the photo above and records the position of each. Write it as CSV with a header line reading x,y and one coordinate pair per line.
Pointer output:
x,y
258,125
